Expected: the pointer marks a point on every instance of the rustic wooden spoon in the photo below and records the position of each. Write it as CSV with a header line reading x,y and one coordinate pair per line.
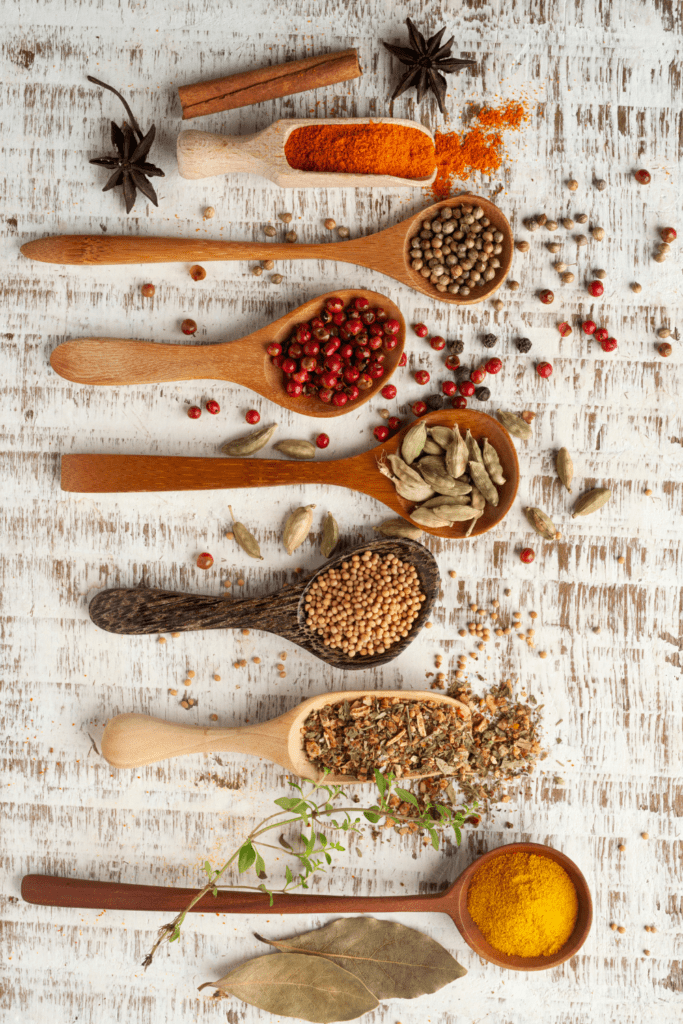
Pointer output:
x,y
50,891
120,473
204,154
386,251
114,361
141,610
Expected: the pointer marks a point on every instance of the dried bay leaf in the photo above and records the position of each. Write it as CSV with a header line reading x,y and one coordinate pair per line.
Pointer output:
x,y
392,960
294,985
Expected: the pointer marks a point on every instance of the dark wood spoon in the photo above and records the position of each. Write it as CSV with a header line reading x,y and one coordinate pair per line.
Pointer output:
x,y
140,610
47,890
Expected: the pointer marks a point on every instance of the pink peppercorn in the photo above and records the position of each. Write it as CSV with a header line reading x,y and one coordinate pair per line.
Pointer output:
x,y
388,392
527,555
421,330
194,412
493,366
609,344
547,297
596,289
213,407
381,433
565,329
422,377
252,416
602,334
438,343
322,440
403,360
459,402
419,408
544,369
466,388
449,387
588,326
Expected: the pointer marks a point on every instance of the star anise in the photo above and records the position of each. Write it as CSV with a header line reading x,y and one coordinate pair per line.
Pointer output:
x,y
426,59
130,167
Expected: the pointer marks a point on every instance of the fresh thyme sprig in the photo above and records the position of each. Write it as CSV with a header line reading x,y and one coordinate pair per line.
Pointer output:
x,y
313,852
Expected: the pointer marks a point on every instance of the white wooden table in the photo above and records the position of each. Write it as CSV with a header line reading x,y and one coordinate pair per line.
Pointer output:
x,y
605,84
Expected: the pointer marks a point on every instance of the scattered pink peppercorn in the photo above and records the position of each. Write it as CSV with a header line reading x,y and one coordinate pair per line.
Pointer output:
x,y
459,402
452,363
466,388
493,366
602,334
546,296
388,392
668,235
421,330
565,329
194,412
188,327
422,377
438,343
394,422
197,273
148,290
643,177
588,326
450,388
381,433
419,408
664,349
403,360
478,376
322,441
527,555
213,407
596,289
609,344
544,369
253,416
205,560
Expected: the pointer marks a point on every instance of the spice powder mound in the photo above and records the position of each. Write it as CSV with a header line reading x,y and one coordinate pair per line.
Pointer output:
x,y
392,149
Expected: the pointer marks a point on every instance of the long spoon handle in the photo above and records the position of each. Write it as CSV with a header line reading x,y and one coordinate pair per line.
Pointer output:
x,y
51,891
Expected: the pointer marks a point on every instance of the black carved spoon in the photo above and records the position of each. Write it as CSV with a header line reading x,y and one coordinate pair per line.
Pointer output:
x,y
144,610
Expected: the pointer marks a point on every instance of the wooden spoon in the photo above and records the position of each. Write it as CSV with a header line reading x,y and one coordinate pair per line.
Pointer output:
x,y
204,154
49,891
121,473
386,251
141,610
114,361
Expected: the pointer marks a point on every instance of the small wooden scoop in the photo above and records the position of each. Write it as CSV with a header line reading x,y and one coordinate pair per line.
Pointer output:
x,y
118,473
49,891
387,251
141,610
203,155
114,361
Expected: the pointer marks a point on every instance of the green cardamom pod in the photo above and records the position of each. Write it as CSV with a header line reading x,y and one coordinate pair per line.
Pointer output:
x,y
249,443
447,499
432,448
493,463
515,425
443,436
297,528
565,468
398,528
457,513
428,517
541,522
473,523
483,482
414,442
591,501
330,536
295,449
403,471
246,540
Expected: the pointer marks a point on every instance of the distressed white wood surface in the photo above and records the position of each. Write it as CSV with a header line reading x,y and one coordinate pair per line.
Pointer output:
x,y
606,81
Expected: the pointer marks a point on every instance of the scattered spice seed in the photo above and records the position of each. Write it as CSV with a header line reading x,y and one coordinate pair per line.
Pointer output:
x,y
621,847
256,660
498,305
175,635
452,574
173,693
621,559
553,247
330,224
522,246
621,929
581,218
276,278
513,286
257,271
214,718
601,274
197,273
205,560
162,639
267,264
291,236
644,835
147,290
188,327
286,218
664,332
598,234
551,225
648,491
643,177
209,212
572,185
269,231
217,678
343,232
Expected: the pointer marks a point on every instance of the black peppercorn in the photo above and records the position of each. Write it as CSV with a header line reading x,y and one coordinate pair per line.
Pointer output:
x,y
456,347
482,394
462,373
435,401
489,340
523,344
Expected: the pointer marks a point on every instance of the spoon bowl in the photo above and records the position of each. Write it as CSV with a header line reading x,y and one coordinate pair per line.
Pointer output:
x,y
386,251
113,361
142,610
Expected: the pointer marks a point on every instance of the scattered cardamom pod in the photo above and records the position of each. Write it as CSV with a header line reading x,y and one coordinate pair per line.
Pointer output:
x,y
428,517
297,528
249,443
541,522
246,540
295,449
515,425
565,468
330,536
591,501
414,441
398,528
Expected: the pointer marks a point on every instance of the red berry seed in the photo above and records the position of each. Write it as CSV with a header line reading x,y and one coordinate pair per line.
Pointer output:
x,y
546,296
361,303
422,377
253,416
527,555
419,408
205,560
421,330
194,412
322,440
403,360
459,402
452,363
493,366
188,327
565,329
609,344
602,334
340,399
438,343
381,433
466,388
450,388
394,422
668,235
643,177
274,349
213,407
197,273
147,290
596,288
664,349
388,392
544,369
478,376
391,326
588,326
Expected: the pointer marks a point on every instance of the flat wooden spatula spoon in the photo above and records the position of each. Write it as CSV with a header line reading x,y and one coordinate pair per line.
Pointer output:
x,y
115,361
387,251
140,610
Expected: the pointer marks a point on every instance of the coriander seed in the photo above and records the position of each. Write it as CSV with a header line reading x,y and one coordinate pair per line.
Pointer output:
x,y
567,278
286,218
330,224
551,225
209,212
581,240
257,271
513,286
600,274
343,232
581,218
522,246
664,332
567,223
291,236
572,185
276,278
269,231
637,288
553,247
267,264
598,234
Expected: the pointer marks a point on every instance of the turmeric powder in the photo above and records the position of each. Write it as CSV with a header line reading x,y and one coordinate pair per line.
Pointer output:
x,y
374,148
523,904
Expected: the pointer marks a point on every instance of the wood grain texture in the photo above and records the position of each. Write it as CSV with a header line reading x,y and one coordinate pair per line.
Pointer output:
x,y
606,92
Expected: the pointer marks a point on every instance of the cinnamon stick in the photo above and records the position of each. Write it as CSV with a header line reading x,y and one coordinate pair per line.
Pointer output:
x,y
269,83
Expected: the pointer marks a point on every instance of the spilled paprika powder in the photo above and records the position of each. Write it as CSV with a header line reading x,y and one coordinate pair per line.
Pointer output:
x,y
374,148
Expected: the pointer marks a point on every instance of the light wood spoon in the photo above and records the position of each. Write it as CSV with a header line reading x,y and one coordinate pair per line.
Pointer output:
x,y
101,474
386,251
140,610
114,361
204,154
47,890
